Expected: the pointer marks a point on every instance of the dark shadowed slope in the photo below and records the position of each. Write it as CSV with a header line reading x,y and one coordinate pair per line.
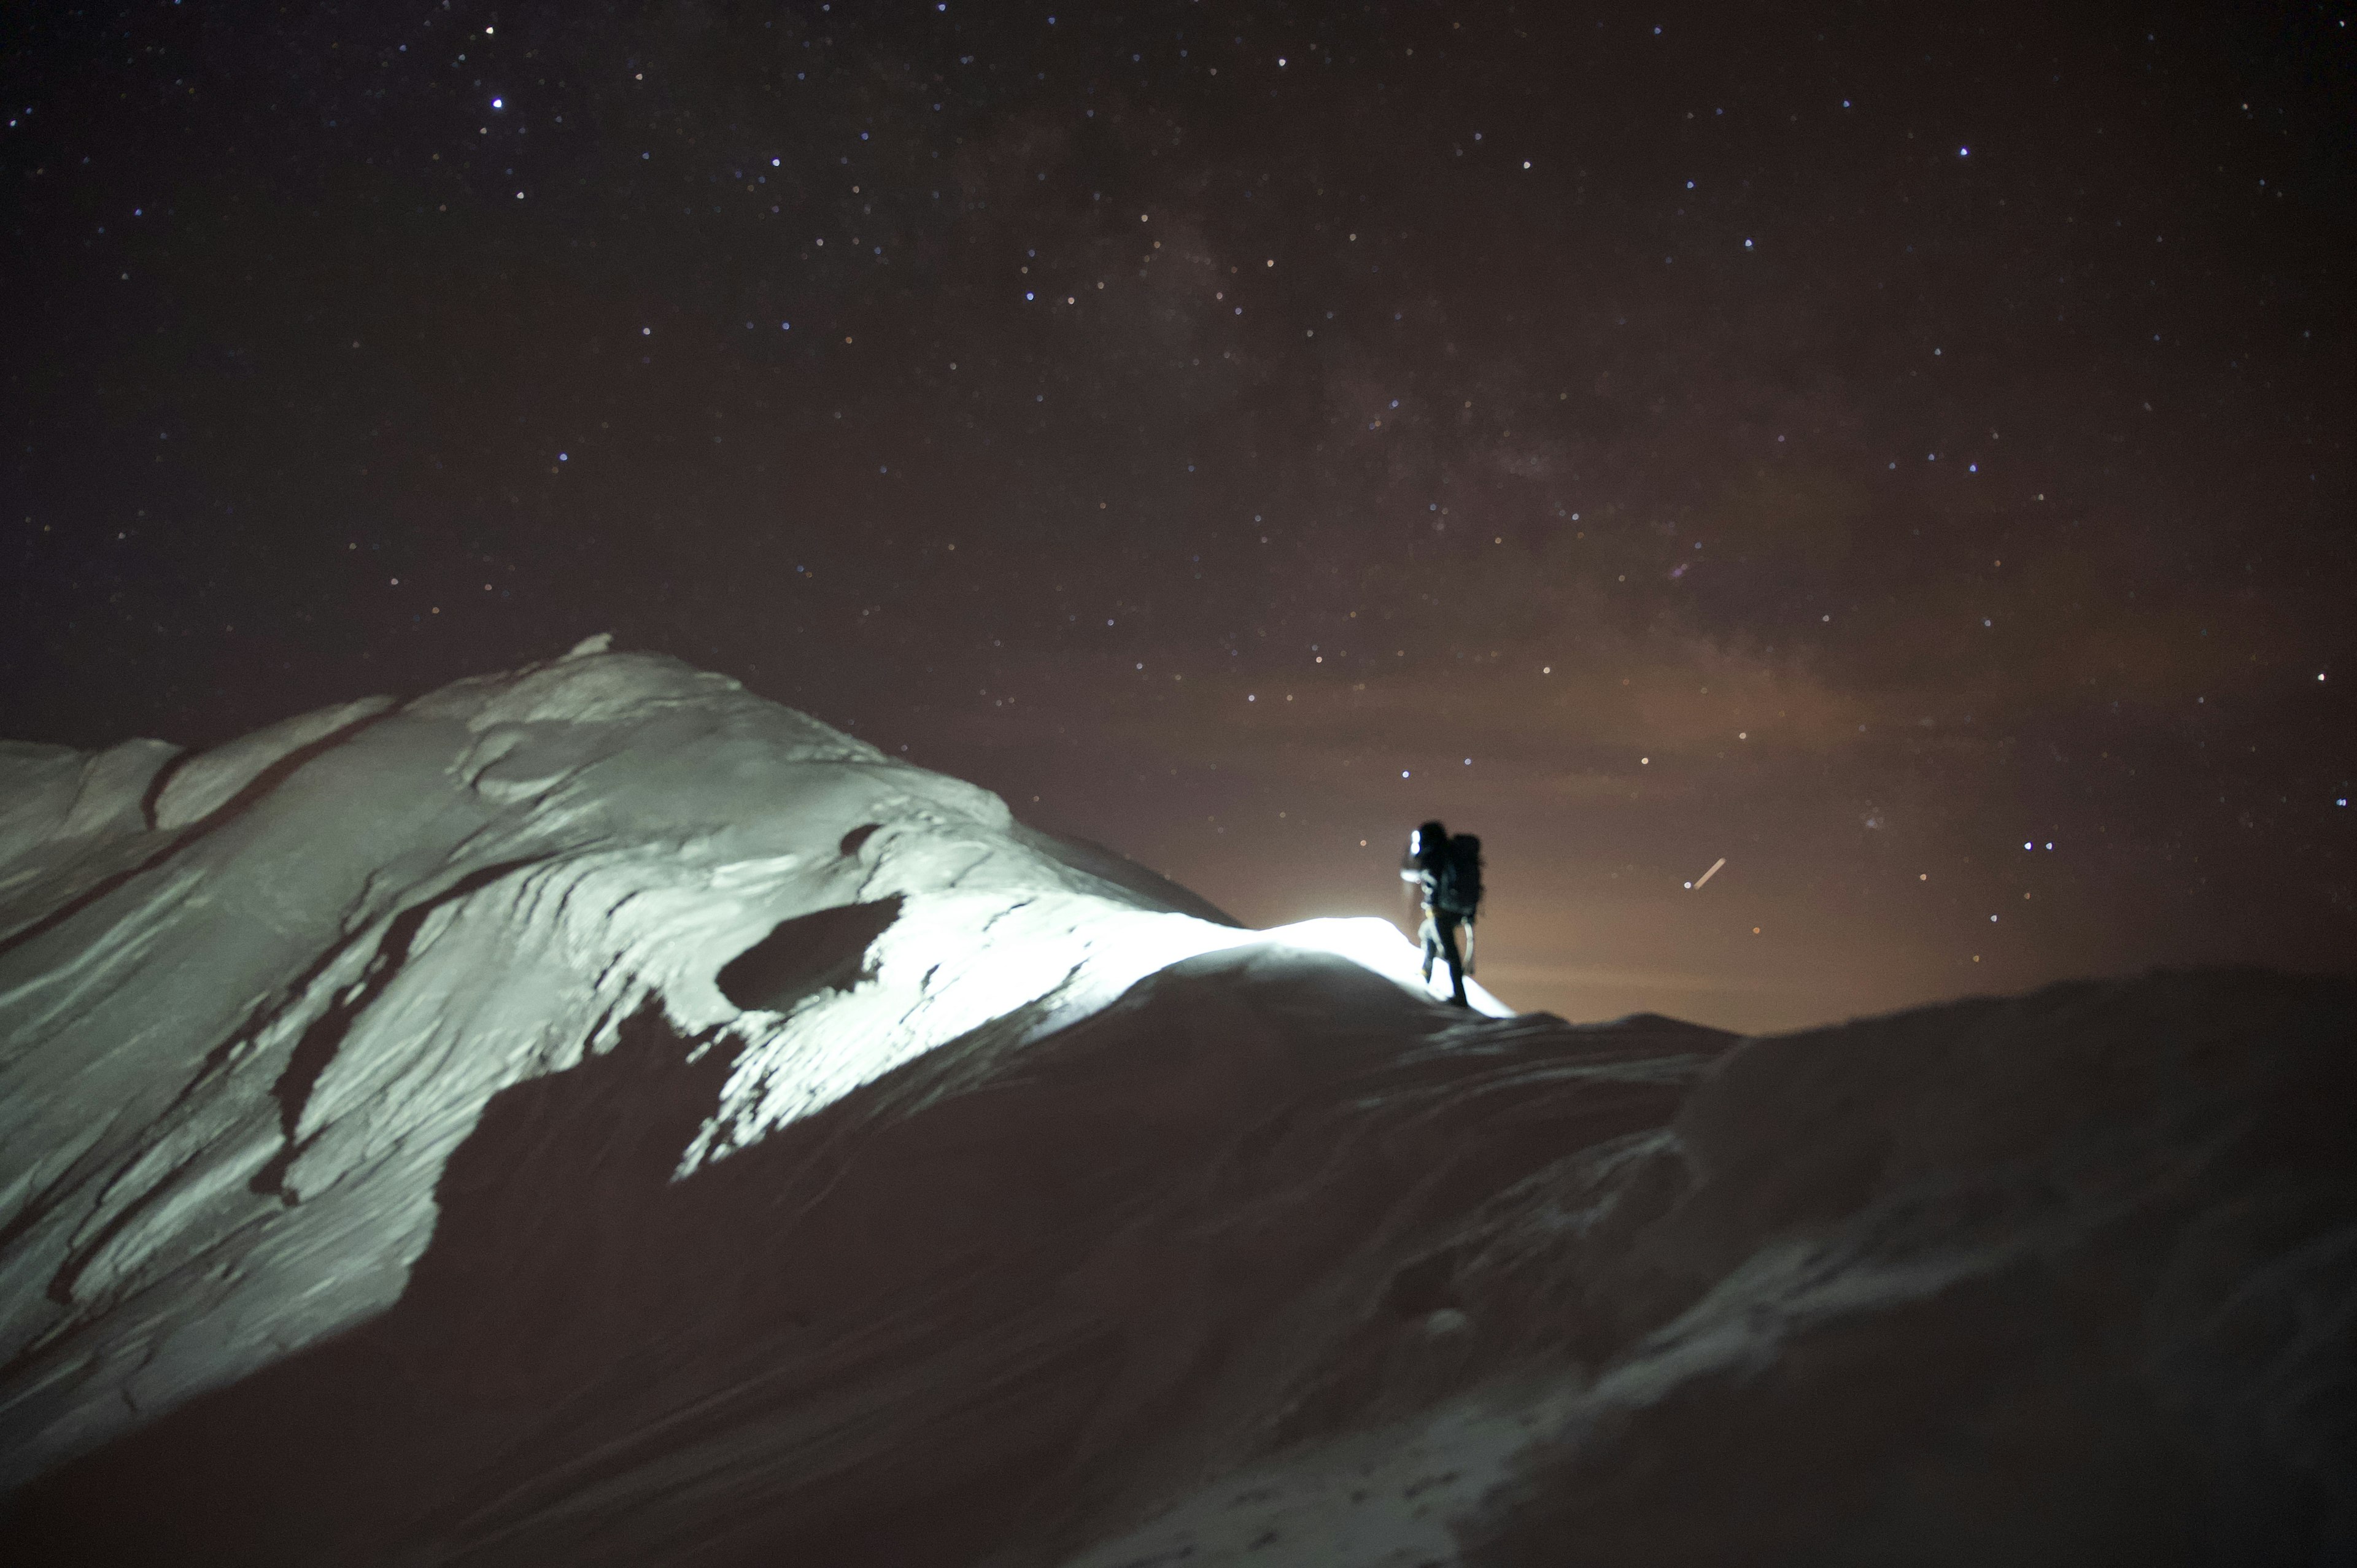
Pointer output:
x,y
1268,1263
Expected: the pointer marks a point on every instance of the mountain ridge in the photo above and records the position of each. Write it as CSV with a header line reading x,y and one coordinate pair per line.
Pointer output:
x,y
591,1116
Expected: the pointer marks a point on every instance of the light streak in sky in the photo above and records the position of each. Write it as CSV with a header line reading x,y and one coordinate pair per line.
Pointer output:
x,y
1707,874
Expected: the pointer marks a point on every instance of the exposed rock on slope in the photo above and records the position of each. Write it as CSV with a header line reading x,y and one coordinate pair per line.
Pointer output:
x,y
365,1200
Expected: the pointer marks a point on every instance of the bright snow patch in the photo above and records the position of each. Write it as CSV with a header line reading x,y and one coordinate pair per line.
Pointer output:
x,y
294,968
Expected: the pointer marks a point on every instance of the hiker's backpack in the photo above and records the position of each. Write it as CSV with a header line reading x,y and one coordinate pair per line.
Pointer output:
x,y
1457,886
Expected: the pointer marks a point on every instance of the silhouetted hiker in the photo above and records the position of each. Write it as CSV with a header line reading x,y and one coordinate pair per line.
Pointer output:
x,y
1448,871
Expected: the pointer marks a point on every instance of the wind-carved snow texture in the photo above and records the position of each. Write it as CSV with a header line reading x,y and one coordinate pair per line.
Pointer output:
x,y
593,1116
252,998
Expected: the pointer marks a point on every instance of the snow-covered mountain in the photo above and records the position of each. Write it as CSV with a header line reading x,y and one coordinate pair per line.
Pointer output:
x,y
594,1115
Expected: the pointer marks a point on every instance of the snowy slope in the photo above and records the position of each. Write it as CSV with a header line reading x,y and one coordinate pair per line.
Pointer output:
x,y
252,999
592,1115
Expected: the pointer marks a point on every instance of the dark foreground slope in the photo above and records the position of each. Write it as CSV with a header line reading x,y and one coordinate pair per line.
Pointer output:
x,y
1270,1263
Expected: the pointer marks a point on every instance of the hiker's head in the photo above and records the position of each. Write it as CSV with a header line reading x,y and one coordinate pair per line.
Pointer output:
x,y
1426,838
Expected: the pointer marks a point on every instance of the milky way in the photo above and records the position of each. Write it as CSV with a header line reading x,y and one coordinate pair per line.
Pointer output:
x,y
1871,448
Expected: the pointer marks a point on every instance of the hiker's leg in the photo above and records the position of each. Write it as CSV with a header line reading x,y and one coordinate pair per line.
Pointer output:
x,y
1448,924
1428,937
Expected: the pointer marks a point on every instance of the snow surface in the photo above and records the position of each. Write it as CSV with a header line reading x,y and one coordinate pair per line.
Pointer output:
x,y
591,1116
321,949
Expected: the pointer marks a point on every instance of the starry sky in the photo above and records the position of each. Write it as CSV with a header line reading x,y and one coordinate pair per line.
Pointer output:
x,y
1900,452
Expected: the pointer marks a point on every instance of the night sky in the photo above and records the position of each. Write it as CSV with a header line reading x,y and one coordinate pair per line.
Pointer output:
x,y
1903,451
